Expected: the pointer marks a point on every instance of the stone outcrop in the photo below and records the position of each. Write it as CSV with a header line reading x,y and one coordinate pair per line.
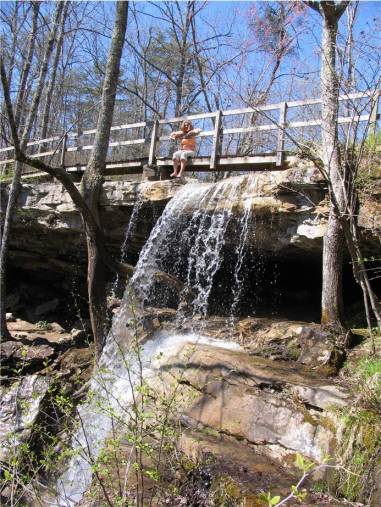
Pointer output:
x,y
20,405
36,364
281,407
289,207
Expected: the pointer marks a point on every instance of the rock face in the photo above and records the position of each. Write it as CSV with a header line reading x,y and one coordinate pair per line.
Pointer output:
x,y
53,228
281,407
20,406
289,207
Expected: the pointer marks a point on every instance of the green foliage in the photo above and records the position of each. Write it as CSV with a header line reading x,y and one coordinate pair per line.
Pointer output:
x,y
358,450
373,141
368,367
43,325
269,500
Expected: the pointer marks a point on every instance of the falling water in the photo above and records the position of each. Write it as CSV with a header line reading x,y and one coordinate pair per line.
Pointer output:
x,y
190,232
111,395
192,229
131,227
240,250
130,230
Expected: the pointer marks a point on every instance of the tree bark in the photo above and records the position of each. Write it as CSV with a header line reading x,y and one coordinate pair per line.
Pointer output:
x,y
21,95
93,178
332,296
15,186
52,81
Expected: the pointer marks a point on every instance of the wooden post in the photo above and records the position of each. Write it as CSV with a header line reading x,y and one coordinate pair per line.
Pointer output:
x,y
63,149
78,144
216,139
152,148
281,136
374,114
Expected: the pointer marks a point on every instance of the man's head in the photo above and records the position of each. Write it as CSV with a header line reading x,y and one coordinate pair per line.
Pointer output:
x,y
186,126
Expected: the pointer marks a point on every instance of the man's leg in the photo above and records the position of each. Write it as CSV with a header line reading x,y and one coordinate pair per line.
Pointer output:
x,y
183,164
176,164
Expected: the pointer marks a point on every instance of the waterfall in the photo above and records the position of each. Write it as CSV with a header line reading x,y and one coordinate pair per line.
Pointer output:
x,y
243,228
111,392
130,230
192,228
186,241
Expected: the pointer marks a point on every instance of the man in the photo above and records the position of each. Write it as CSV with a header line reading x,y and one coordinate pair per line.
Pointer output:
x,y
187,135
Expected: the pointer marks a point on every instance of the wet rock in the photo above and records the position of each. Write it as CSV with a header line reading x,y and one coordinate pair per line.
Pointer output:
x,y
9,317
290,207
281,407
20,405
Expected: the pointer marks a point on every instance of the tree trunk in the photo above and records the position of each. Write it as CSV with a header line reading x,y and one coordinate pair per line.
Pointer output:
x,y
332,297
15,186
52,81
93,178
21,95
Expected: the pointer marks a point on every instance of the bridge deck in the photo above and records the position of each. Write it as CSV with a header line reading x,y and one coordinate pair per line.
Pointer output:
x,y
248,163
135,146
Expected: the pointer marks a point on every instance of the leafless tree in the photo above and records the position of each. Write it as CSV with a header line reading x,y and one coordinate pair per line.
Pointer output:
x,y
14,189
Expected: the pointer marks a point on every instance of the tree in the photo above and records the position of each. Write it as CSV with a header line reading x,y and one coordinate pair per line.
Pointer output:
x,y
340,171
93,177
14,190
332,296
87,201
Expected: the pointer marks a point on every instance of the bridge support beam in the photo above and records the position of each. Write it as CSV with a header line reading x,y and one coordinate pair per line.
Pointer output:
x,y
281,134
216,140
154,140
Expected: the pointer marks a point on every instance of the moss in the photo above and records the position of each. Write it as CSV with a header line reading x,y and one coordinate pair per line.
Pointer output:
x,y
359,449
226,492
294,351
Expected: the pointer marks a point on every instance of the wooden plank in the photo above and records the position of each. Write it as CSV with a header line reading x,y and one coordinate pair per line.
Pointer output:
x,y
206,133
281,134
8,148
179,119
127,126
154,141
249,110
256,128
130,166
63,150
224,161
216,139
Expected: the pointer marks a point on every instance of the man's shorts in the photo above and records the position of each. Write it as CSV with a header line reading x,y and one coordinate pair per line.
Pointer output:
x,y
183,154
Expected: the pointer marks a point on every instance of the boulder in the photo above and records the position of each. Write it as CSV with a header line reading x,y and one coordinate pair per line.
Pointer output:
x,y
20,406
305,342
280,407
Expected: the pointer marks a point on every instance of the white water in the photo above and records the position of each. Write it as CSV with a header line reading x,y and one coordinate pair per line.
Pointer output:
x,y
111,393
240,248
189,238
190,232
130,230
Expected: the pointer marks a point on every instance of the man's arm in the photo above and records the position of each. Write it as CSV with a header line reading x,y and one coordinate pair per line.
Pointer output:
x,y
192,133
177,135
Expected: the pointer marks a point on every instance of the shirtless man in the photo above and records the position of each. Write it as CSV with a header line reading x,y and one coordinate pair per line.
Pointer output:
x,y
188,147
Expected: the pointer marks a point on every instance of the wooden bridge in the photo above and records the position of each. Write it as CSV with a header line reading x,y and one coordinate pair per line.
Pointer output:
x,y
233,140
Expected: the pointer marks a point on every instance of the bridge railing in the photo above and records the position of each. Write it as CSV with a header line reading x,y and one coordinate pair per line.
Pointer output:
x,y
226,139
